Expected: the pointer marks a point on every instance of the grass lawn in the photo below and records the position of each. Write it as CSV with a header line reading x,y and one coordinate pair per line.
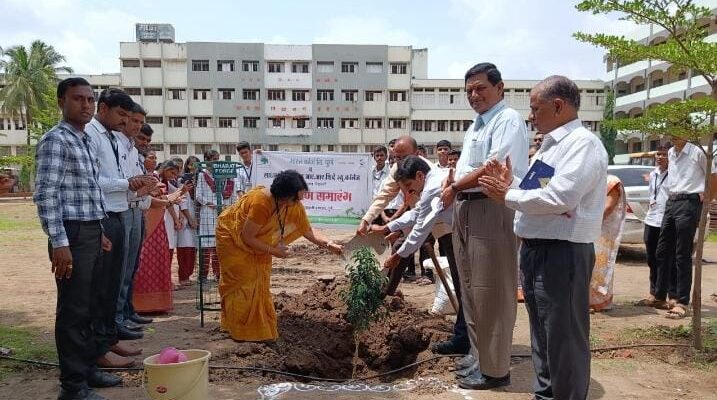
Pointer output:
x,y
26,345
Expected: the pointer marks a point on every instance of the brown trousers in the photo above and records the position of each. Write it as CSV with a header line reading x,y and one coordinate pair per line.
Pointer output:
x,y
486,254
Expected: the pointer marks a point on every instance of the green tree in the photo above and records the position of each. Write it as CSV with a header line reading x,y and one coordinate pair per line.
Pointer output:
x,y
690,119
608,134
28,75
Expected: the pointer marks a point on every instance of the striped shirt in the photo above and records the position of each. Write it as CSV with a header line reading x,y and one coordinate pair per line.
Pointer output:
x,y
66,185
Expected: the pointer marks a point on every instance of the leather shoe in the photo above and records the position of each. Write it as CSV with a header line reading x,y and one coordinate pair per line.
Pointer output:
x,y
133,326
125,334
101,379
84,394
136,318
462,363
450,347
478,381
125,350
112,360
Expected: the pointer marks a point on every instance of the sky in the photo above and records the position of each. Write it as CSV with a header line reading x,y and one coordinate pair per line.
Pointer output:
x,y
526,39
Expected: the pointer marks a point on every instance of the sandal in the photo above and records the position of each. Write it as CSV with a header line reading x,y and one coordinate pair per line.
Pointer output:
x,y
679,311
654,303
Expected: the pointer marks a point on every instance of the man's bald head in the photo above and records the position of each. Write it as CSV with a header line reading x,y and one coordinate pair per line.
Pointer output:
x,y
559,87
405,146
553,102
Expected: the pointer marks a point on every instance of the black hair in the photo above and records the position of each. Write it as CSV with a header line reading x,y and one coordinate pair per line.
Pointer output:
x,y
490,71
243,145
68,83
392,142
146,129
210,153
421,147
114,97
190,160
408,167
664,147
443,143
454,153
136,108
380,148
169,164
287,185
559,87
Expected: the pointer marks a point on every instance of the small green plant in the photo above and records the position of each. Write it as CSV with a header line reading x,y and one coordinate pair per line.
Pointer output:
x,y
363,298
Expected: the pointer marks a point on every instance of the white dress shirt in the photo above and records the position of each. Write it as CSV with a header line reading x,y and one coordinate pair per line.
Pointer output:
x,y
243,181
427,212
130,164
378,176
497,133
570,206
658,197
686,170
112,180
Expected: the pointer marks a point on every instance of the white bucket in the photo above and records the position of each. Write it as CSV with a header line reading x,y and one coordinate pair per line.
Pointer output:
x,y
187,380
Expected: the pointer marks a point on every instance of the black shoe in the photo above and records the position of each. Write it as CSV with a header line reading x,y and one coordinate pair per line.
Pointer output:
x,y
138,319
450,347
126,334
465,362
133,326
84,394
478,381
101,379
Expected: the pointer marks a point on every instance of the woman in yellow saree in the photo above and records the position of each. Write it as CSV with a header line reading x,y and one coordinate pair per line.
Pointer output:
x,y
248,234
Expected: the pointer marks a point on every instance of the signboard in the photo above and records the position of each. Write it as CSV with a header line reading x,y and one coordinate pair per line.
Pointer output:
x,y
339,183
224,169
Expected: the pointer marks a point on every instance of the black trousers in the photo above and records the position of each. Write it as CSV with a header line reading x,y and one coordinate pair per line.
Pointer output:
x,y
677,234
651,237
109,277
460,331
396,274
556,282
77,299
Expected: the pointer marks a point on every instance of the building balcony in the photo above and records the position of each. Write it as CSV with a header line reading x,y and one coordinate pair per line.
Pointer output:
x,y
374,108
152,77
398,109
288,131
669,88
629,99
287,80
175,135
287,109
226,135
176,107
130,77
153,105
201,107
626,72
201,135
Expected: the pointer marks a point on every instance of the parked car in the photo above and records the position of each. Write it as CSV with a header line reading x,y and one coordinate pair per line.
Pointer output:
x,y
635,179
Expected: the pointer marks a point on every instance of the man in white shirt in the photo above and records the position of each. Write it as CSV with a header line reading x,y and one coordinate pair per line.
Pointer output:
x,y
687,166
558,222
379,172
244,170
443,147
657,192
485,245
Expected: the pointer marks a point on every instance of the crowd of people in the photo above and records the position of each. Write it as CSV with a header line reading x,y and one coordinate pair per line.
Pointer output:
x,y
539,224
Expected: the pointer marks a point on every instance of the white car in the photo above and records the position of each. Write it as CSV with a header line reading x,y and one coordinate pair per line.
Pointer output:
x,y
635,179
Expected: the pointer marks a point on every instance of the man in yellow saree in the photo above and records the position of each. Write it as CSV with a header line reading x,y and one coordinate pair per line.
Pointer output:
x,y
248,234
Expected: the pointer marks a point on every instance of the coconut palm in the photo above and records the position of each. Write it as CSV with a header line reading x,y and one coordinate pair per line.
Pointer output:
x,y
28,76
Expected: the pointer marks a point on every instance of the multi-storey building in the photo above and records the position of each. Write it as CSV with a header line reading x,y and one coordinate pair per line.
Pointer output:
x,y
321,97
644,84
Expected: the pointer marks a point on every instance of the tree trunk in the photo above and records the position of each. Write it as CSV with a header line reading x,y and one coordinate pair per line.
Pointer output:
x,y
356,356
28,121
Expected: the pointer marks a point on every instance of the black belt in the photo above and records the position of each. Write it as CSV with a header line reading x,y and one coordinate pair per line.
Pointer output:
x,y
76,222
471,196
541,242
112,214
684,196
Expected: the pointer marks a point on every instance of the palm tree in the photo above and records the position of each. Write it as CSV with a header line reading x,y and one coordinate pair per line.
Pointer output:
x,y
28,76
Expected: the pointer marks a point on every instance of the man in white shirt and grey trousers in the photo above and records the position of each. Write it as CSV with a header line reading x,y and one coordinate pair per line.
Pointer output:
x,y
558,224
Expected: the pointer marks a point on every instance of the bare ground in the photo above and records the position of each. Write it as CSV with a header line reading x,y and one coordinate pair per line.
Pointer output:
x,y
28,300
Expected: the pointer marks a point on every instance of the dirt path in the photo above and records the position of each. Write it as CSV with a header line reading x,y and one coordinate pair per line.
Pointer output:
x,y
28,300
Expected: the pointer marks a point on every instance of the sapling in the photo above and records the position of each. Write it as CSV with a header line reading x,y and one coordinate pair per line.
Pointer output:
x,y
363,298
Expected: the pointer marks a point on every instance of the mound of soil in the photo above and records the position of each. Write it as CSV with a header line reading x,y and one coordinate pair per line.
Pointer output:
x,y
315,339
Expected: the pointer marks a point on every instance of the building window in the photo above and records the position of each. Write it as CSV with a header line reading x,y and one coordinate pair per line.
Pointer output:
x,y
300,68
396,123
275,67
250,66
350,95
152,63
682,76
225,65
225,94
202,94
177,122
2,124
330,147
19,125
202,122
301,123
250,94
349,123
305,148
201,148
157,147
324,122
133,63
133,91
657,83
325,67
299,95
200,65
317,147
276,122
639,88
154,120
273,147
399,68
396,95
466,124
251,122
176,94
349,148
374,67
152,91
276,94
417,125
175,149
349,67
325,95
637,146
4,151
654,144
373,123
373,95
226,122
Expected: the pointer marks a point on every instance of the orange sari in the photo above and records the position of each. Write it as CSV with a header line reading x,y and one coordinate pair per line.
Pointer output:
x,y
248,312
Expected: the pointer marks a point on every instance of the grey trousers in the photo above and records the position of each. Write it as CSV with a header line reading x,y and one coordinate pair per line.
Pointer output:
x,y
132,221
486,248
556,279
